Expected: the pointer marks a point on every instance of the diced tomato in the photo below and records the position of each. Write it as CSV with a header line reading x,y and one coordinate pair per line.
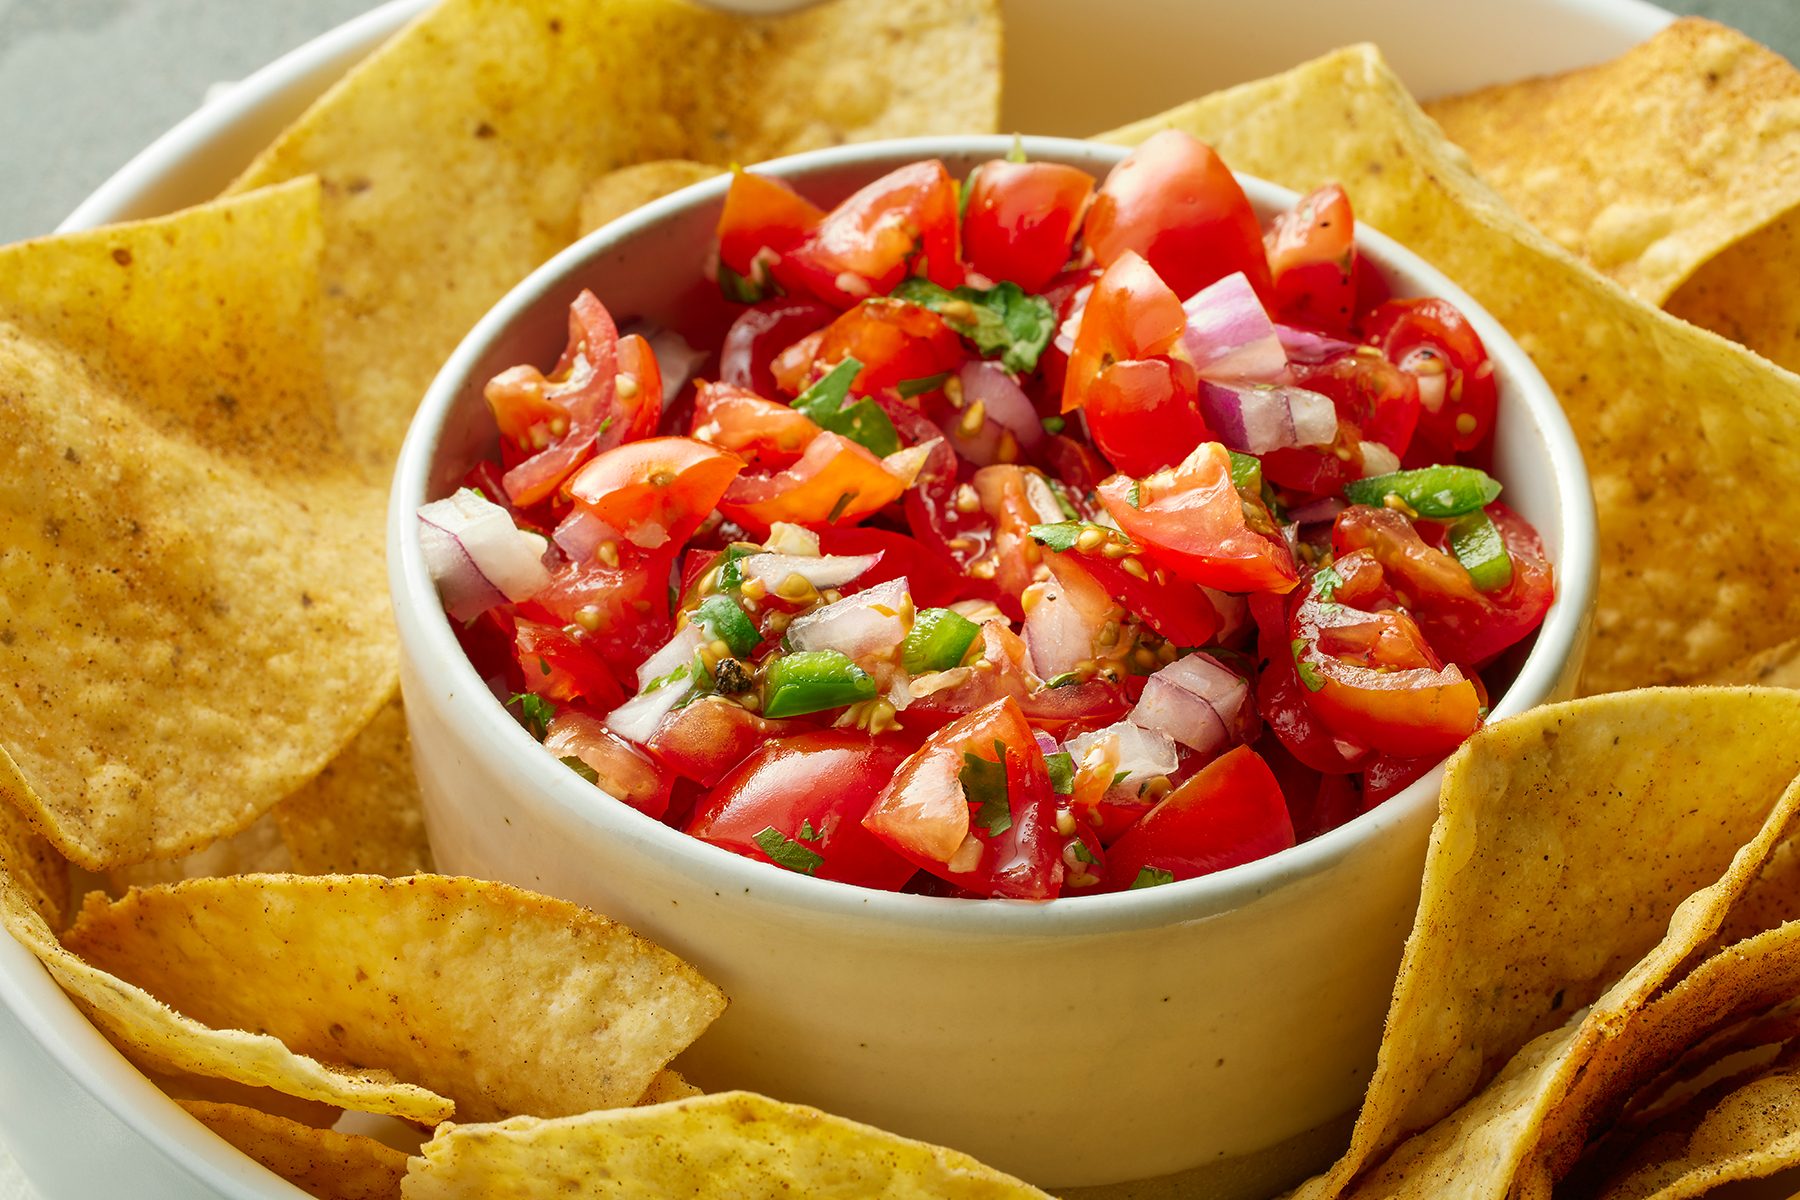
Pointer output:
x,y
1381,400
762,215
582,386
812,790
1312,258
1021,219
996,837
621,607
619,769
1464,624
930,580
657,491
862,247
1076,464
895,342
1144,415
1431,340
1388,776
1191,521
1317,470
950,522
705,739
637,394
835,481
1231,812
1175,608
1001,491
558,665
1174,202
762,332
766,435
1281,699
1131,314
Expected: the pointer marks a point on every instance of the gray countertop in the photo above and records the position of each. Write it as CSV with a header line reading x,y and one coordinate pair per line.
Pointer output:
x,y
86,84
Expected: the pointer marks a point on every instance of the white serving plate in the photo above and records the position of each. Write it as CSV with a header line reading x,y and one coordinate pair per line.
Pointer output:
x,y
78,1117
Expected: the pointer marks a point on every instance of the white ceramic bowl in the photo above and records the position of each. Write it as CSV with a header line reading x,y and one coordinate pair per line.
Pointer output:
x,y
75,1115
1077,1041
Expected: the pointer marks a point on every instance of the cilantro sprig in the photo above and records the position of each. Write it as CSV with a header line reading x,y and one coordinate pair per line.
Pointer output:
x,y
1004,321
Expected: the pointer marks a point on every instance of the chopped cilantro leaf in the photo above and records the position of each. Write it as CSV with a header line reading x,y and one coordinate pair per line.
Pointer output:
x,y
1151,877
1003,321
1119,778
918,387
1064,680
1061,766
828,405
1246,472
737,287
1309,674
537,711
1017,153
1134,495
1325,582
807,832
1061,492
582,769
544,665
984,785
1060,536
1054,425
1081,852
784,852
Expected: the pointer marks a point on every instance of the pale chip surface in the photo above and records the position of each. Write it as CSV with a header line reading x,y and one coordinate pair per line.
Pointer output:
x,y
505,1001
193,609
618,192
363,813
1684,434
320,1162
728,1146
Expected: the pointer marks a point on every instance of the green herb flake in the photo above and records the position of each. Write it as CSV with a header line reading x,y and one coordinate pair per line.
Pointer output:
x,y
984,786
544,665
1134,495
1151,877
1066,679
785,852
808,833
1079,849
1246,472
1325,583
537,711
1004,321
918,387
1309,674
827,404
582,769
1017,153
1119,778
1061,767
1054,425
1061,492
1059,537
739,289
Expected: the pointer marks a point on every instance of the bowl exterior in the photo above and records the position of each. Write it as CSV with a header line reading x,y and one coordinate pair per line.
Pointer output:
x,y
1242,1014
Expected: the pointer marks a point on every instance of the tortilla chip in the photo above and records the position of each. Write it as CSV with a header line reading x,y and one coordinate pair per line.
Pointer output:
x,y
1750,292
1677,426
454,158
729,1146
1749,1129
193,612
505,1001
1649,165
618,192
40,874
668,1085
320,1162
255,848
363,814
166,1042
1600,815
212,1090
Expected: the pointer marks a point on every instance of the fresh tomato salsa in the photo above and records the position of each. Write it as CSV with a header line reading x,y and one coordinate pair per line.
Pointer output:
x,y
1027,536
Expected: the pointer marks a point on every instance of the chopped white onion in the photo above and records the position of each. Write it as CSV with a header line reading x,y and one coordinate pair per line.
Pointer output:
x,y
1310,347
506,557
1258,418
1057,633
1229,335
831,570
1005,403
679,651
905,465
675,360
581,533
636,719
1143,752
1194,700
869,622
787,538
1377,459
1043,499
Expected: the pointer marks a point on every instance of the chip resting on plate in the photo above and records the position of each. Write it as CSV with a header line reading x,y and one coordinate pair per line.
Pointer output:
x,y
193,612
505,1001
454,158
729,1146
320,1162
1692,444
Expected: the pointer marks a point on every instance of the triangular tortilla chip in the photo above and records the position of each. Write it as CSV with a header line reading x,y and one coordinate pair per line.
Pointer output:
x,y
363,813
320,1162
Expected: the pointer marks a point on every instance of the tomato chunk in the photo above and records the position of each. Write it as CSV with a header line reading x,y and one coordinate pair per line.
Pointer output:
x,y
1231,812
834,481
618,769
1312,258
1021,219
657,491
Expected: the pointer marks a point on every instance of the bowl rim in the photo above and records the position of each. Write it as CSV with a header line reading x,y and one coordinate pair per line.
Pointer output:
x,y
479,721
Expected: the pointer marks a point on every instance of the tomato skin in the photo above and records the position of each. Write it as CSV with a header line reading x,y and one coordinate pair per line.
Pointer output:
x,y
924,815
558,666
760,333
655,491
893,340
760,213
1175,608
930,580
1021,219
1191,522
628,604
826,779
635,416
1174,202
872,236
1001,490
704,740
1381,400
622,772
1462,623
1144,415
1230,812
767,436
1312,260
1281,699
1131,314
582,385
1430,339
810,491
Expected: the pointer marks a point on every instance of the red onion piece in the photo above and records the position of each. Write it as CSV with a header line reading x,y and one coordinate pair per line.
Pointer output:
x,y
506,558
1258,418
1316,512
1045,743
1229,335
1004,401
465,591
867,623
1196,700
831,570
1309,346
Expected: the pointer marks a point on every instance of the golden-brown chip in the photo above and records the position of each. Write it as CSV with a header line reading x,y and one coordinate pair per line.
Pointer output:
x,y
454,158
1575,844
668,1085
729,1146
505,1001
1649,165
1678,427
256,847
320,1162
193,613
1750,292
618,192
213,1090
1749,1130
363,813
39,873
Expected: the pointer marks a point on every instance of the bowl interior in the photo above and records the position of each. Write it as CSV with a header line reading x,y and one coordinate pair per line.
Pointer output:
x,y
649,266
